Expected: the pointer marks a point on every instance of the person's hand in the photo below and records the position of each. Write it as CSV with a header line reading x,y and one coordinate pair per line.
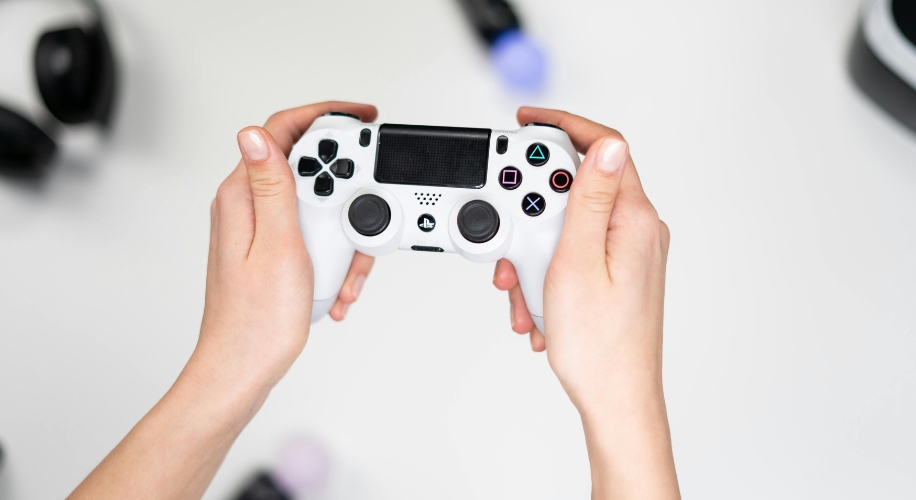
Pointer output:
x,y
256,322
259,277
603,309
604,290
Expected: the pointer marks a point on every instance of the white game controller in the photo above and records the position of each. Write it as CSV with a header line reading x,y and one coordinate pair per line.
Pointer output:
x,y
378,188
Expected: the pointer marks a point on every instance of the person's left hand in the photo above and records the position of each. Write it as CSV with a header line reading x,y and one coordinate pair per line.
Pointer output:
x,y
259,277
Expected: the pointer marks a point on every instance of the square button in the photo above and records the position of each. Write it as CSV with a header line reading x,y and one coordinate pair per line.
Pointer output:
x,y
510,178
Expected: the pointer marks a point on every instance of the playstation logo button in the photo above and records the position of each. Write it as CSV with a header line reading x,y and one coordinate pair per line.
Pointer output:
x,y
537,154
426,223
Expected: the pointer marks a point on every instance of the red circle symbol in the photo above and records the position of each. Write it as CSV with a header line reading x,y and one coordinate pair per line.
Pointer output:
x,y
560,181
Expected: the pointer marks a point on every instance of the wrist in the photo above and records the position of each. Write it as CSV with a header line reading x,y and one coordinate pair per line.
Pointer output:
x,y
620,383
635,409
628,438
229,394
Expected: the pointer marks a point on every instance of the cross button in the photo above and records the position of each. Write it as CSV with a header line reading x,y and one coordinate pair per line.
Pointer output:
x,y
534,204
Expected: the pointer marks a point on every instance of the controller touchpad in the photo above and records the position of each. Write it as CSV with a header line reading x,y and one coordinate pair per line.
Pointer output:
x,y
432,156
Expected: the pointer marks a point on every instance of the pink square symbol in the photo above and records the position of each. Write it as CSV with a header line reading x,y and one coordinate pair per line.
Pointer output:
x,y
510,177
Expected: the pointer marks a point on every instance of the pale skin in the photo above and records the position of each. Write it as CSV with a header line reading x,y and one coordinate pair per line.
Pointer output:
x,y
603,301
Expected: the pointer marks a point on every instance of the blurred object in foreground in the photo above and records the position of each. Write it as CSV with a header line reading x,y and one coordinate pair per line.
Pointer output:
x,y
303,469
883,57
56,74
519,61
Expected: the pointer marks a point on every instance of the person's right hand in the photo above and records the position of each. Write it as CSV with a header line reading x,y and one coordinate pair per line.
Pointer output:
x,y
603,308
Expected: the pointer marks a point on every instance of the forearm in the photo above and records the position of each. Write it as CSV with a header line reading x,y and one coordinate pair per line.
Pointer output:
x,y
629,443
175,450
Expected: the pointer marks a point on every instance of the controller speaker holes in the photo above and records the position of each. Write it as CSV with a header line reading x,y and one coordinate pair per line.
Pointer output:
x,y
428,198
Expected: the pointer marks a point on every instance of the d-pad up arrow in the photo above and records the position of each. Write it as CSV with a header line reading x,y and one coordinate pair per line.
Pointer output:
x,y
537,154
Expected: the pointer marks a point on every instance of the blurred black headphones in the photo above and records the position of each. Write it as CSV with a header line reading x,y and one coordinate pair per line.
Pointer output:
x,y
56,70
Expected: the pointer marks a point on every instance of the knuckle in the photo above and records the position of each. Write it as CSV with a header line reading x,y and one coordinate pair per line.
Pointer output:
x,y
645,224
275,118
665,236
648,231
222,195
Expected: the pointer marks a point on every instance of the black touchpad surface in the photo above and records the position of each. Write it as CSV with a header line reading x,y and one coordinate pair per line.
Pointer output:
x,y
432,156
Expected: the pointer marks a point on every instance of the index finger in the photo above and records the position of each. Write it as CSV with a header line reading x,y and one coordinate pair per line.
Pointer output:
x,y
583,133
287,127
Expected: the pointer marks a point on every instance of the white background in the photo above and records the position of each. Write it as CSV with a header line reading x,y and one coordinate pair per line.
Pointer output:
x,y
790,349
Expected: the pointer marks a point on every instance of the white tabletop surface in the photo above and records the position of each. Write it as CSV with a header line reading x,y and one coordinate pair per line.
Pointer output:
x,y
790,339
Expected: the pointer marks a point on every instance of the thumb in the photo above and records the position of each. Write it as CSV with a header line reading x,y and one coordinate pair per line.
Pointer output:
x,y
592,196
273,189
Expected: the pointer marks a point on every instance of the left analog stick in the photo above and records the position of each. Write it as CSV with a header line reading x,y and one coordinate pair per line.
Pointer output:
x,y
369,215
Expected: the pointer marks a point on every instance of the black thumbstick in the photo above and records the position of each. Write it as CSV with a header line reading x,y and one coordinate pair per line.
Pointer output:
x,y
369,215
478,221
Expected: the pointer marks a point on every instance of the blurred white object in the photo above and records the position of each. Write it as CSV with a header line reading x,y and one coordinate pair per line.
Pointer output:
x,y
303,468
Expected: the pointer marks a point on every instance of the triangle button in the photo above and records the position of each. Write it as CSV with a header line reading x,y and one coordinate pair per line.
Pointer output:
x,y
537,154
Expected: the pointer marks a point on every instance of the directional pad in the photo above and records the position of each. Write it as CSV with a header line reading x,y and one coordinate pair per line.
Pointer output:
x,y
342,168
308,166
324,185
327,150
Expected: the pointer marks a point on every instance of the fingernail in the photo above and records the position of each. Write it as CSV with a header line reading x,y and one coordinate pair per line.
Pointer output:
x,y
358,285
343,311
612,154
253,145
512,314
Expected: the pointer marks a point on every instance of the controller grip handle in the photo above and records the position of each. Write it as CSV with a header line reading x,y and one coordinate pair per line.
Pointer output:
x,y
531,274
531,254
330,249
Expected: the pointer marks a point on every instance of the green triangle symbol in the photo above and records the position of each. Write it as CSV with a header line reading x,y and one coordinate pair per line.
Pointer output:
x,y
537,154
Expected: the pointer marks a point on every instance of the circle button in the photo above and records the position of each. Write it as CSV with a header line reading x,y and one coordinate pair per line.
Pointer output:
x,y
426,223
369,215
478,221
560,181
537,154
510,178
534,204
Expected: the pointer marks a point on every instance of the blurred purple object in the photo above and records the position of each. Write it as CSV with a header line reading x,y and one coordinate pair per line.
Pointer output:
x,y
304,467
519,61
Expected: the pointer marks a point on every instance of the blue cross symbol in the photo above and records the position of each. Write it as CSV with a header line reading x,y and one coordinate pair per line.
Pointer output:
x,y
532,203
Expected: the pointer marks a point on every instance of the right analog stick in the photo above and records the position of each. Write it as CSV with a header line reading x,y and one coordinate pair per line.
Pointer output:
x,y
478,221
369,215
